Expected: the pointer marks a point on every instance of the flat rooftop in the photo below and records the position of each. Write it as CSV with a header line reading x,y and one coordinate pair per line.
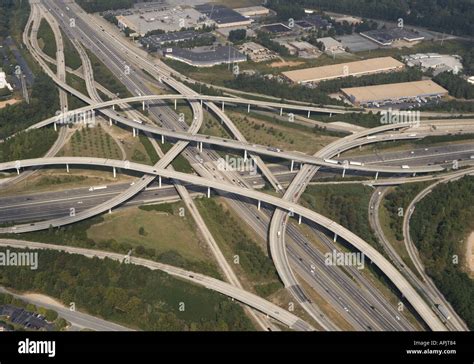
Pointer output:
x,y
221,14
207,57
276,28
394,91
315,74
388,36
166,19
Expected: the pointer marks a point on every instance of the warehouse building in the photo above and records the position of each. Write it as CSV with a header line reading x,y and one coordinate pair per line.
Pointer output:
x,y
305,49
206,57
331,46
257,52
358,68
223,16
394,92
277,28
386,37
438,63
166,19
154,42
253,11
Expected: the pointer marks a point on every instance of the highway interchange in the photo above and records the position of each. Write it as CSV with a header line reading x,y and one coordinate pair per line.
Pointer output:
x,y
292,256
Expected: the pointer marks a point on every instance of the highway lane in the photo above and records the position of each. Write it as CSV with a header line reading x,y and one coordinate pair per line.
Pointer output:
x,y
169,119
34,21
299,157
277,231
182,89
66,210
421,156
40,206
227,289
397,279
266,173
48,206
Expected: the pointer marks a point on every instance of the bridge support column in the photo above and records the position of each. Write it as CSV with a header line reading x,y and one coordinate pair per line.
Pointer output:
x,y
259,205
159,181
201,102
110,121
309,114
143,105
200,147
133,131
343,173
292,165
376,176
113,107
223,105
110,211
115,173
248,109
55,127
18,171
175,104
335,237
245,155
299,220
162,139
209,192
281,111
330,114
67,168
414,174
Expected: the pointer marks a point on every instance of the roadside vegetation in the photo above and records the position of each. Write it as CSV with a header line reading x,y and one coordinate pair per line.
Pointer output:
x,y
128,294
44,102
180,163
46,39
439,227
286,135
147,232
236,243
391,217
106,77
27,144
346,204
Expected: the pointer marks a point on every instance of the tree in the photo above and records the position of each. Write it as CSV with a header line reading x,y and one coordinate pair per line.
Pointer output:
x,y
237,35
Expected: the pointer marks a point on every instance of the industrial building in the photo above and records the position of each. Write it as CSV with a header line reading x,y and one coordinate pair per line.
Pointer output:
x,y
166,19
358,68
386,37
154,42
304,49
257,52
223,16
253,11
438,63
205,57
278,28
394,92
331,46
